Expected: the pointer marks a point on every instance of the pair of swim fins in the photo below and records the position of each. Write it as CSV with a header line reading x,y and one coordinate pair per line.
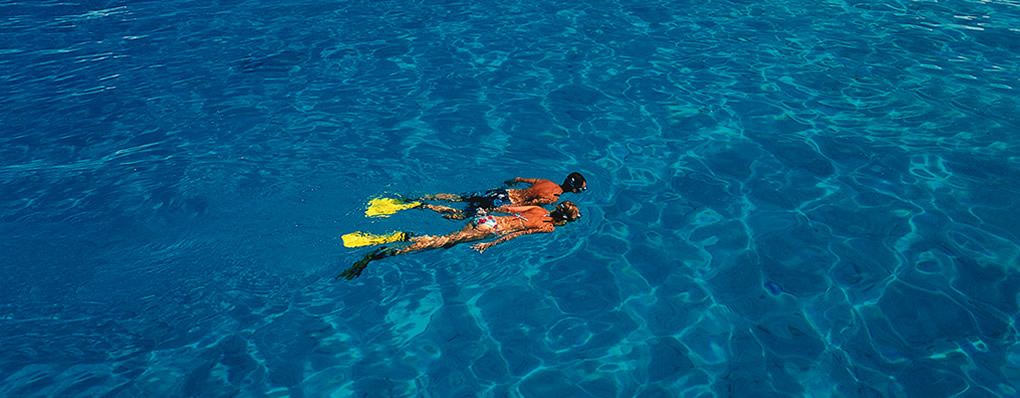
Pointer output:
x,y
380,207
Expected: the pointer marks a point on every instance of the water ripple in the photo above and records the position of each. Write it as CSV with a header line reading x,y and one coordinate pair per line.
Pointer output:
x,y
786,199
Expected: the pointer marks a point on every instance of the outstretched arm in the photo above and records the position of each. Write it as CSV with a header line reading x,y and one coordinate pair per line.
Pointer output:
x,y
515,180
513,209
481,247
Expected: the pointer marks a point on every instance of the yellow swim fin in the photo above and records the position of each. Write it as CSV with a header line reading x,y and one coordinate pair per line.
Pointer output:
x,y
359,239
383,207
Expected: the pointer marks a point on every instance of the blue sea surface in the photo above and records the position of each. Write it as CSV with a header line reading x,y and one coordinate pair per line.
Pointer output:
x,y
786,199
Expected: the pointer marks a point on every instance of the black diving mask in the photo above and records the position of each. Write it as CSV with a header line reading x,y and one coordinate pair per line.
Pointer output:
x,y
566,214
574,184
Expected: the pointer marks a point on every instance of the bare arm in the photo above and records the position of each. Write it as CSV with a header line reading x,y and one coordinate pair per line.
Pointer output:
x,y
481,247
513,209
515,180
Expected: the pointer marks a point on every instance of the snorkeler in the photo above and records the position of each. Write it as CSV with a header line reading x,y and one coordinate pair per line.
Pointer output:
x,y
540,192
523,220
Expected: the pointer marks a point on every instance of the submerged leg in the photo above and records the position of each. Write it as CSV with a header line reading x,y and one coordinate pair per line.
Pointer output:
x,y
448,212
420,243
355,270
427,242
448,197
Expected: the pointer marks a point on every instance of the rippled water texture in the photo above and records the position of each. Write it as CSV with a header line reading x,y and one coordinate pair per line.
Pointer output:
x,y
809,198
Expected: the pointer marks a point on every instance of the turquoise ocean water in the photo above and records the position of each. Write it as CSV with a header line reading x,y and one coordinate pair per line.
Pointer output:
x,y
786,199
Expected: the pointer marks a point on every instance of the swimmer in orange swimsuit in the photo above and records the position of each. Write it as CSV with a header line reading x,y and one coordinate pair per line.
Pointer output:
x,y
523,220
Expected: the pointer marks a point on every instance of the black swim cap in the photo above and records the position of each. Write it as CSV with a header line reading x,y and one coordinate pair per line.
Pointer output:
x,y
576,181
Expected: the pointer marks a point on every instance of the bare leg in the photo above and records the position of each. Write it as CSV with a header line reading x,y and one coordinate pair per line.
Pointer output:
x,y
427,242
446,197
449,212
434,242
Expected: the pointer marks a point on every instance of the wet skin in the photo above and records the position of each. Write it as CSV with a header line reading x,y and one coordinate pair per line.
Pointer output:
x,y
539,193
523,221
